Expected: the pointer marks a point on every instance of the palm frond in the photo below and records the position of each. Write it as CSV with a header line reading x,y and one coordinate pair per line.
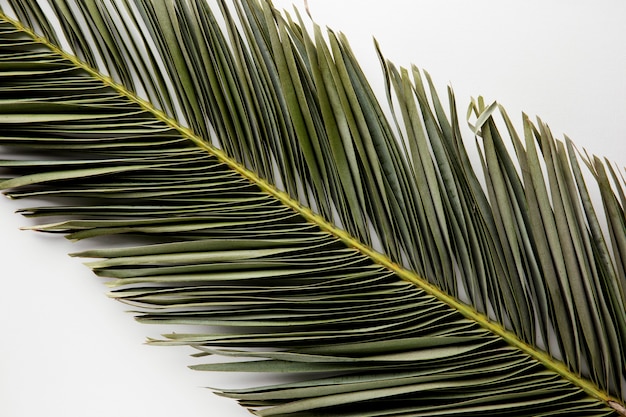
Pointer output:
x,y
514,301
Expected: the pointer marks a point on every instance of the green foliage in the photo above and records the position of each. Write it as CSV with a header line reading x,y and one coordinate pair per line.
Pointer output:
x,y
514,301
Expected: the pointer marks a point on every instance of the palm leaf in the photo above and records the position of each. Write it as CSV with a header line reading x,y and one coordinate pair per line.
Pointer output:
x,y
477,299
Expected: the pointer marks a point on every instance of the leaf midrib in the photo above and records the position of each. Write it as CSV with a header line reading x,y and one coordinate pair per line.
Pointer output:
x,y
467,311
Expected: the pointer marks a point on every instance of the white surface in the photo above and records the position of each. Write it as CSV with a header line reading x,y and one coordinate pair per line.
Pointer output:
x,y
67,350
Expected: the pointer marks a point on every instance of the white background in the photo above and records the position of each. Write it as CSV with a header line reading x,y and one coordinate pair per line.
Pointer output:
x,y
68,350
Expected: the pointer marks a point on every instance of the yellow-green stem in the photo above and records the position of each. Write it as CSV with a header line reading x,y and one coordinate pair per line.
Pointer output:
x,y
467,311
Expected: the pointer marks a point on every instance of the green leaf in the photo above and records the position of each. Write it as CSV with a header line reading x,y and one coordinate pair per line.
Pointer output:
x,y
477,299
